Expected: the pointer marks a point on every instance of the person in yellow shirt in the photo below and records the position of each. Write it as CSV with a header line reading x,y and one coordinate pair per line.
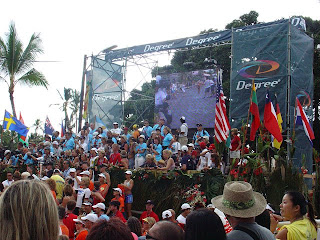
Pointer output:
x,y
59,183
294,208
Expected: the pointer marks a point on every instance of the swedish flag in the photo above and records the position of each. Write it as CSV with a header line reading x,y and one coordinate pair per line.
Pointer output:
x,y
13,124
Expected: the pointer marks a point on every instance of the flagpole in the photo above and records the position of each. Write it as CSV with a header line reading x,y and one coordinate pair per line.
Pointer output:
x,y
246,129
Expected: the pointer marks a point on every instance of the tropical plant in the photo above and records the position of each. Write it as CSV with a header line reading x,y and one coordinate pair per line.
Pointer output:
x,y
9,139
16,63
38,125
66,97
74,106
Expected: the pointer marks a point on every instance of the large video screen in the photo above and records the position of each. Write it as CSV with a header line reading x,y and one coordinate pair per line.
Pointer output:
x,y
188,94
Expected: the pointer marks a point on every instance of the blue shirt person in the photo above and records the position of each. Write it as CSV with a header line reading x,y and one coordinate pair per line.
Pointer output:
x,y
68,143
200,133
156,149
142,147
147,130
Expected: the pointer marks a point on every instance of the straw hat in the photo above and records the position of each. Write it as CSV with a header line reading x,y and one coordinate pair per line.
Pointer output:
x,y
239,200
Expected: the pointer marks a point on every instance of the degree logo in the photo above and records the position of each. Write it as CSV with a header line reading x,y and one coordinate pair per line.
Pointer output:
x,y
304,99
260,69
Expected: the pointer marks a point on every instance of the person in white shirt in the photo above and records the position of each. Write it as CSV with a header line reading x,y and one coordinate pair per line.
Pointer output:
x,y
205,157
9,181
183,132
76,179
185,210
116,131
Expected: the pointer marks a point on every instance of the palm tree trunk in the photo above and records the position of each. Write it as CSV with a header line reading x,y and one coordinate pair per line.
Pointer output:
x,y
11,90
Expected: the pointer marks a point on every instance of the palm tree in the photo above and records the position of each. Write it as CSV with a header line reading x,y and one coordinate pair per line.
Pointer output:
x,y
74,106
16,63
67,95
38,125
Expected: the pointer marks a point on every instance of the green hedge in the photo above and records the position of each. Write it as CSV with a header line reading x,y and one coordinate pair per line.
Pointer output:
x,y
167,189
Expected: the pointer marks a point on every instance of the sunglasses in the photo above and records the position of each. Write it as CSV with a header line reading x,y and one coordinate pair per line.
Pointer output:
x,y
148,236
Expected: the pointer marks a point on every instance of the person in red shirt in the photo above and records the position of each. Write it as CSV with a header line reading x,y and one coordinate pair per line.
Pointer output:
x,y
114,208
235,146
68,219
115,157
149,212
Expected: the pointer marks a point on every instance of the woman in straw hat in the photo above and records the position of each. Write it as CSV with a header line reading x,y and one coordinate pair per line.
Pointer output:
x,y
28,211
241,205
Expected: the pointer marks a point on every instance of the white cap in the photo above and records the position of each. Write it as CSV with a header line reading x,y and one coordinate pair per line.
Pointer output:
x,y
115,123
6,152
102,175
100,205
78,220
56,170
128,172
72,170
142,136
95,133
25,175
183,118
91,217
211,206
94,149
185,206
85,173
184,148
87,203
190,145
118,190
206,137
55,142
44,178
47,143
166,214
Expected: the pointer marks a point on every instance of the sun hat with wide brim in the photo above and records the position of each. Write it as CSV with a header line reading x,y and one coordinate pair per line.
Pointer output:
x,y
239,200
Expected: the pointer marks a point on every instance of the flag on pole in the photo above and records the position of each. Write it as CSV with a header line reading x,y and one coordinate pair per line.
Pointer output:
x,y
20,137
62,129
302,120
13,124
48,128
254,110
222,125
275,143
99,123
270,119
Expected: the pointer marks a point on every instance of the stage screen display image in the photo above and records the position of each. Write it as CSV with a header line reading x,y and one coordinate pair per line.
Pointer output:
x,y
190,94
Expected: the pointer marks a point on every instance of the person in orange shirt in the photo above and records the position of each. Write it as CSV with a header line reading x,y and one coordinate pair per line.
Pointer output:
x,y
82,232
62,214
117,193
136,132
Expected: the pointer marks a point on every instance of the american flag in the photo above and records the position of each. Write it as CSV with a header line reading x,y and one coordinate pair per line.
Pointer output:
x,y
48,128
222,125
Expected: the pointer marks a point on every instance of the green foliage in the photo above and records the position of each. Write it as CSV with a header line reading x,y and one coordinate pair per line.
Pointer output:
x,y
167,190
140,105
9,139
244,20
74,106
35,138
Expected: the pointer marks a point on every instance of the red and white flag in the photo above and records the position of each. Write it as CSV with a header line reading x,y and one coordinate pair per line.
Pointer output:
x,y
222,125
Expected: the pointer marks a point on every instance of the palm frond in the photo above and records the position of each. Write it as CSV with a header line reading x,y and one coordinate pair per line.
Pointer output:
x,y
30,53
34,78
14,51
